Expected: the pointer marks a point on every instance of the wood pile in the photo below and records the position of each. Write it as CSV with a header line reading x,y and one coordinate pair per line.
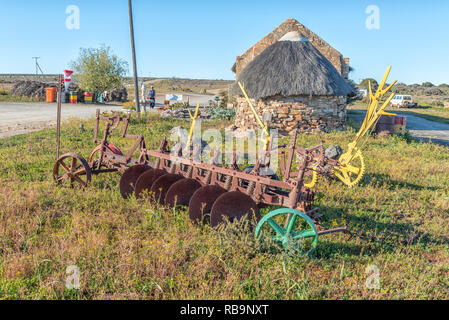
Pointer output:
x,y
27,88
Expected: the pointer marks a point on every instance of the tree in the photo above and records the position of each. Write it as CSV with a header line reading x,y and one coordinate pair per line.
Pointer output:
x,y
364,83
98,69
427,85
224,98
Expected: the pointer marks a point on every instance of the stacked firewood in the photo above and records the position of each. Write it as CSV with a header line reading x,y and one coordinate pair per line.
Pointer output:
x,y
27,88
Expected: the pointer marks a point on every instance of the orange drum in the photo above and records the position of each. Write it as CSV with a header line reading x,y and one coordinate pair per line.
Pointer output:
x,y
50,94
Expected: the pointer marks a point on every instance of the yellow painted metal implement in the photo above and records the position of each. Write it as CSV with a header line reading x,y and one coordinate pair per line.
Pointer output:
x,y
192,127
352,164
264,127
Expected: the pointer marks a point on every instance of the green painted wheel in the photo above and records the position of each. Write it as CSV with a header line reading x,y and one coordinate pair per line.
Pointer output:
x,y
299,232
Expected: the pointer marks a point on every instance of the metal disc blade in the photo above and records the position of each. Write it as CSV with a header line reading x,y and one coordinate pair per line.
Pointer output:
x,y
162,184
129,178
146,180
234,206
180,192
202,201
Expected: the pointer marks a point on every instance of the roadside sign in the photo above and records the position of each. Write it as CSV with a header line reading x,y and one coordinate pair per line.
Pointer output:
x,y
67,79
173,97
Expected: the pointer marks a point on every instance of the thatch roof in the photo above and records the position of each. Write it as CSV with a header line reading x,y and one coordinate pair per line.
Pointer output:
x,y
291,67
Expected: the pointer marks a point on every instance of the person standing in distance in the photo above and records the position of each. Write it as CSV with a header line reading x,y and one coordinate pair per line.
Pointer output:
x,y
152,96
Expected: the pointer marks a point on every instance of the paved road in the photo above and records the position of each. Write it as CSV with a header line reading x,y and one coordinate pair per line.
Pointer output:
x,y
418,127
20,118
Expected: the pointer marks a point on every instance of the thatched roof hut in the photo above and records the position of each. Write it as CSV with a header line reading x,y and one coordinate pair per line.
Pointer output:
x,y
291,68
292,80
291,25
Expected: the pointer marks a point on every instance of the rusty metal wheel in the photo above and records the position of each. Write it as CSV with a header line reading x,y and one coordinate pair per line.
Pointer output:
x,y
146,180
162,184
72,168
129,178
181,192
202,201
233,206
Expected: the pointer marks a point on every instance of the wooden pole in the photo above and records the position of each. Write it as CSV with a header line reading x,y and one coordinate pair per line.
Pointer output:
x,y
58,118
133,48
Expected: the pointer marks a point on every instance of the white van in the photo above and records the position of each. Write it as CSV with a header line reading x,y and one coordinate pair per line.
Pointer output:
x,y
403,101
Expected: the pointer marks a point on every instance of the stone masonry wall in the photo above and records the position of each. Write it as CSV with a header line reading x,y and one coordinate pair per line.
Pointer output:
x,y
335,57
308,114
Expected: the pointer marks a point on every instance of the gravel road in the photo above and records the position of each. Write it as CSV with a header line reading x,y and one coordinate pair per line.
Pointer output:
x,y
418,127
20,118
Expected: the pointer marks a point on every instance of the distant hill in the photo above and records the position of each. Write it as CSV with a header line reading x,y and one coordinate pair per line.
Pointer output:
x,y
13,77
202,86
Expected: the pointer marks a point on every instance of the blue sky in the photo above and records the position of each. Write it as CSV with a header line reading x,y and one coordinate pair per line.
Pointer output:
x,y
200,39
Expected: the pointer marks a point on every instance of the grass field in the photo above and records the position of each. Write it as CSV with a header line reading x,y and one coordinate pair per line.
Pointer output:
x,y
136,250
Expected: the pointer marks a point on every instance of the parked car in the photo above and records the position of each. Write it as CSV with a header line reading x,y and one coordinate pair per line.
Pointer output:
x,y
403,101
361,93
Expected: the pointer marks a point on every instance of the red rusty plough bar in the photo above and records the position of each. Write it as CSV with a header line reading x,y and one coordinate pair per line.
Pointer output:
x,y
213,192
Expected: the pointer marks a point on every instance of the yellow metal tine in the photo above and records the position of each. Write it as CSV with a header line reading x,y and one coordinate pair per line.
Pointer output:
x,y
256,115
192,127
197,110
193,117
378,114
253,109
369,113
374,112
387,101
389,88
384,80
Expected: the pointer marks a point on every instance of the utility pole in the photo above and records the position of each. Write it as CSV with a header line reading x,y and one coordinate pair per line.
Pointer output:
x,y
38,67
133,48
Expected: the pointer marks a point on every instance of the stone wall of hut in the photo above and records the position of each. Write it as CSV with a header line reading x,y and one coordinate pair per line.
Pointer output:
x,y
308,114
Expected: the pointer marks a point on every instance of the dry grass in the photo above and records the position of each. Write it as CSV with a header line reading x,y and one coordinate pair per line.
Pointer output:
x,y
135,250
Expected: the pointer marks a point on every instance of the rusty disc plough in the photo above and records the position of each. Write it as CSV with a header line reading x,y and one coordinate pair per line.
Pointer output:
x,y
215,193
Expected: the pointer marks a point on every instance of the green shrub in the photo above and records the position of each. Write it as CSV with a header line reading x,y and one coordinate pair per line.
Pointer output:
x,y
222,113
428,85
